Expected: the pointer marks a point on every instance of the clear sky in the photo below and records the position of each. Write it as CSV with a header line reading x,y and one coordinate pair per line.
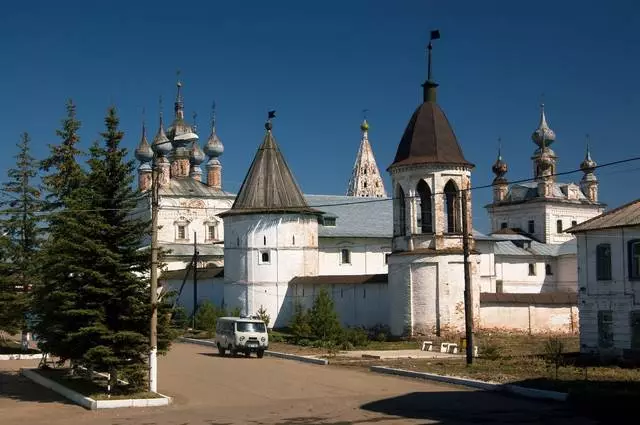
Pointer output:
x,y
320,63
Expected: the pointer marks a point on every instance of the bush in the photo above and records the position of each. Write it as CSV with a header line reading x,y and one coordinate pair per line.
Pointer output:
x,y
554,354
490,351
236,312
300,327
304,342
357,337
276,337
207,318
179,319
379,333
262,314
323,318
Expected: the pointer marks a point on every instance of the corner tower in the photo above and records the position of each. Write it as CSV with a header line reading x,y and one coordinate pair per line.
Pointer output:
x,y
431,180
365,179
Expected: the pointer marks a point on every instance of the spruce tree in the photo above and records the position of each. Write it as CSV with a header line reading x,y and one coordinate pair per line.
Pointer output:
x,y
20,240
323,317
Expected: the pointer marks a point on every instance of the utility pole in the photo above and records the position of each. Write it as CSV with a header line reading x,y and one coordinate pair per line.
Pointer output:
x,y
153,352
468,299
195,279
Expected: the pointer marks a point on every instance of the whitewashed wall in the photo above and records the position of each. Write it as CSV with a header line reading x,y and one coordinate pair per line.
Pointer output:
x,y
486,266
620,295
514,273
567,273
195,214
529,318
367,256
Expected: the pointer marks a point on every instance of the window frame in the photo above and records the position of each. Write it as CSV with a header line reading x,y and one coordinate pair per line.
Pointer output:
x,y
547,269
633,260
532,269
181,228
603,261
261,254
344,251
559,228
531,226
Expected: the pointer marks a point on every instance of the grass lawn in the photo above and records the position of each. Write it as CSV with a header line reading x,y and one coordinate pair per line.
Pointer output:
x,y
95,388
13,347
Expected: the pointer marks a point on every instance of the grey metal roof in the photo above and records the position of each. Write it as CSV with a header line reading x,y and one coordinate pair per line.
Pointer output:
x,y
269,185
535,248
508,248
185,249
623,216
184,187
355,217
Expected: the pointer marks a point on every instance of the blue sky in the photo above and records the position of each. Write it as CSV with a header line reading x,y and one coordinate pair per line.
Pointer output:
x,y
319,64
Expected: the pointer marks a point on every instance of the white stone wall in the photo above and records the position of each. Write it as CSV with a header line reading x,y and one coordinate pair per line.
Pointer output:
x,y
544,215
290,241
513,271
620,295
486,266
529,318
567,273
368,256
195,214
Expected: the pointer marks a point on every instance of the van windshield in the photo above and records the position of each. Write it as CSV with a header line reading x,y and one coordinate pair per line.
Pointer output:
x,y
250,327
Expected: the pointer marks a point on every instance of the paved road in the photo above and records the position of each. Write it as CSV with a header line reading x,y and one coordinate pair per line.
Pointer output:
x,y
211,390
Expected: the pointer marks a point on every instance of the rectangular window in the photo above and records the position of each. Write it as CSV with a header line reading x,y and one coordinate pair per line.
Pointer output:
x,y
605,329
329,221
386,258
345,256
547,270
499,287
532,269
264,257
603,261
559,226
574,223
532,226
634,260
364,292
634,318
211,232
182,232
503,225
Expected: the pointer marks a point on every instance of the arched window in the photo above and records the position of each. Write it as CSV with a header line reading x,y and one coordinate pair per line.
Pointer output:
x,y
452,207
402,210
425,222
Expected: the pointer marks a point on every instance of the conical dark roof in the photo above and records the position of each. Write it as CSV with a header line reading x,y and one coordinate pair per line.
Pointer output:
x,y
269,186
429,138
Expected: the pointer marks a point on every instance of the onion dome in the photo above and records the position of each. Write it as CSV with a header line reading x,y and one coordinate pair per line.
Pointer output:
x,y
161,144
365,125
499,167
179,132
588,166
196,156
143,152
214,147
543,135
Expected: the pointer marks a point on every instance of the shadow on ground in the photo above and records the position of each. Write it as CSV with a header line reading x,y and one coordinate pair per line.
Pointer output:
x,y
476,407
16,387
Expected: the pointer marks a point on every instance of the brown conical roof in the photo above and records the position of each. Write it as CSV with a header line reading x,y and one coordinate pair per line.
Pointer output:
x,y
429,138
269,186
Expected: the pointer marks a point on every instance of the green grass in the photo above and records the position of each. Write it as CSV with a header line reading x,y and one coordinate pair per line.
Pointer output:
x,y
95,388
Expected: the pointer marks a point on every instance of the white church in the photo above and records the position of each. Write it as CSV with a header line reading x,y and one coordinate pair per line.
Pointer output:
x,y
396,261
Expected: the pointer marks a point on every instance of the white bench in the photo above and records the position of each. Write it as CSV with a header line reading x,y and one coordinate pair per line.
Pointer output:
x,y
427,345
444,347
452,348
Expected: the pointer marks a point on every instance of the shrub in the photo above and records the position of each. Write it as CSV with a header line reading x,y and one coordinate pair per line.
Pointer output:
x,y
275,337
300,323
304,342
554,354
379,332
357,337
236,312
262,314
179,319
490,351
207,317
323,318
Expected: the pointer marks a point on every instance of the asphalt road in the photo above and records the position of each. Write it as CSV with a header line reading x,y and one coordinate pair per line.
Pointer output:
x,y
213,390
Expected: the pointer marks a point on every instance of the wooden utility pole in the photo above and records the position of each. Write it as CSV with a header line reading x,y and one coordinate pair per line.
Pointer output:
x,y
195,279
468,299
153,352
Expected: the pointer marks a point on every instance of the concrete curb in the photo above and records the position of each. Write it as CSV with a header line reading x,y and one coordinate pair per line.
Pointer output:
x,y
20,356
306,359
473,383
90,403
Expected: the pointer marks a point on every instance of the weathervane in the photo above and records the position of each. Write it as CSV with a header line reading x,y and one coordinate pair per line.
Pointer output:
x,y
435,35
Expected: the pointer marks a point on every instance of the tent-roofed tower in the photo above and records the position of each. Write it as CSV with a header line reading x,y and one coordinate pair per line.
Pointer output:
x,y
271,234
365,179
431,180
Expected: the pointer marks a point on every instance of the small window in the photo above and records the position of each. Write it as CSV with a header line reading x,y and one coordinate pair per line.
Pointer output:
x,y
574,223
264,257
532,269
182,232
634,260
386,258
499,287
329,221
547,270
211,232
364,184
364,292
605,328
503,225
264,240
532,226
345,256
559,226
603,261
293,240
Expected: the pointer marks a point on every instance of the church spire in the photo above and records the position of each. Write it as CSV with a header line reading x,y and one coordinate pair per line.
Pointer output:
x,y
365,179
429,86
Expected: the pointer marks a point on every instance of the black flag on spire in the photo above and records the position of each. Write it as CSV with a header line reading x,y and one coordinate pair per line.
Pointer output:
x,y
435,35
272,114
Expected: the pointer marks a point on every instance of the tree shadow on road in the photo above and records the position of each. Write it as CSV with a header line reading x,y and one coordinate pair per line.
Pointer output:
x,y
475,407
227,356
16,387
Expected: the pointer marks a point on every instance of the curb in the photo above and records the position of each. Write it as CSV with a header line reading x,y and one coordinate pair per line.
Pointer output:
x,y
20,356
473,383
305,359
90,403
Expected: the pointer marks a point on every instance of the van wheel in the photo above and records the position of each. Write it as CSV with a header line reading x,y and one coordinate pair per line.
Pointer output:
x,y
221,350
260,354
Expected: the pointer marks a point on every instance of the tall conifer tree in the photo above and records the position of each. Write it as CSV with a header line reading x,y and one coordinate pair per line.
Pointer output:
x,y
20,238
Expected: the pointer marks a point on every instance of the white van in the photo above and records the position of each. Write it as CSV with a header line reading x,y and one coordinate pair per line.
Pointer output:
x,y
241,335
